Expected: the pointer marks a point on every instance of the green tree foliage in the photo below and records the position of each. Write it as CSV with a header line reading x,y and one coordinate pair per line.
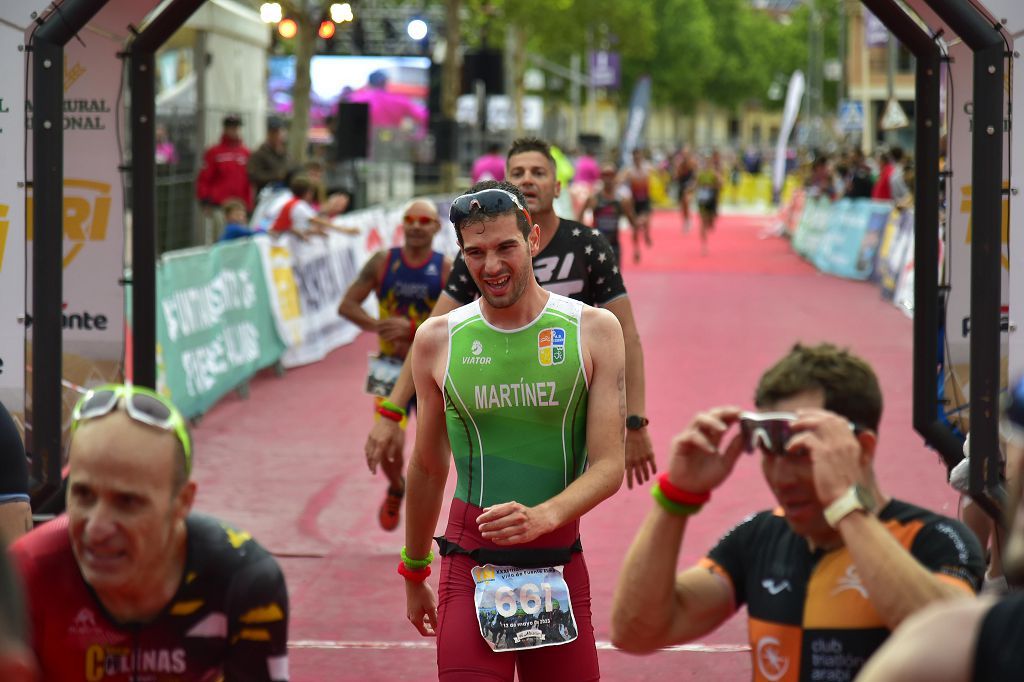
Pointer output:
x,y
685,54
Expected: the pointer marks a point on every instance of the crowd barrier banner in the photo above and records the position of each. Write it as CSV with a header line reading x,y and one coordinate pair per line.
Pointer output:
x,y
323,269
903,296
894,254
812,225
215,326
847,249
282,289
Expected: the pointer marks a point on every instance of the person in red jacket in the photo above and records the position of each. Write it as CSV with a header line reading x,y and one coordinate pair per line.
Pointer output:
x,y
223,175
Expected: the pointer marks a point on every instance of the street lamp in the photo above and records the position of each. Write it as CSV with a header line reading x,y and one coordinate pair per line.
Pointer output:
x,y
341,12
270,12
417,29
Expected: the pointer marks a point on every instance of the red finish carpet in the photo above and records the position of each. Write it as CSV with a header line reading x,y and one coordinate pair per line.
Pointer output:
x,y
287,464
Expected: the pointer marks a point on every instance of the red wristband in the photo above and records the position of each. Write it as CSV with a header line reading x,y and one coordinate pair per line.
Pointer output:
x,y
388,414
411,575
412,329
680,496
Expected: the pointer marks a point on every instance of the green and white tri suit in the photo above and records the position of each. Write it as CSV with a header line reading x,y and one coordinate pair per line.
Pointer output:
x,y
516,404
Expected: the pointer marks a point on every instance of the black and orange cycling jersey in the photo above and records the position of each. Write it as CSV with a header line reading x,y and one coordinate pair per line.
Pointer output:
x,y
228,620
811,617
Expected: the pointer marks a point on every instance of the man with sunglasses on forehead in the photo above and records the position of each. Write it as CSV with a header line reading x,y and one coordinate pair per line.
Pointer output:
x,y
828,574
408,280
572,260
526,389
130,584
972,639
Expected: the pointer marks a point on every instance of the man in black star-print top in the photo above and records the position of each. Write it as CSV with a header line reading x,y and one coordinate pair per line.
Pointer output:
x,y
574,261
578,262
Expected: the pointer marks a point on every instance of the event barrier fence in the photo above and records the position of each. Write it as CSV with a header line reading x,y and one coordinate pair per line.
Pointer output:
x,y
860,239
228,310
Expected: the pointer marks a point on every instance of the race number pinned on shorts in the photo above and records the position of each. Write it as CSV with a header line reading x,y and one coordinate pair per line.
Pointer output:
x,y
382,374
523,608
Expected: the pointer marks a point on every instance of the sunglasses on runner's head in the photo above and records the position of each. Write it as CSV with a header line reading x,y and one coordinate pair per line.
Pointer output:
x,y
422,220
489,202
768,430
141,404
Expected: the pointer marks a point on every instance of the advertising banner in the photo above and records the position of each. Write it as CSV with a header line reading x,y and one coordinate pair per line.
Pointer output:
x,y
93,207
323,270
794,94
12,210
848,247
959,202
215,325
812,226
896,247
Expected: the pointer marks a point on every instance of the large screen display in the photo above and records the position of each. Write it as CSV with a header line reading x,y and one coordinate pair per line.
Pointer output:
x,y
395,88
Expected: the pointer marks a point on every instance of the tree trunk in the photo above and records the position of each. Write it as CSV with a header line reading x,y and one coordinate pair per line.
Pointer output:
x,y
305,42
450,87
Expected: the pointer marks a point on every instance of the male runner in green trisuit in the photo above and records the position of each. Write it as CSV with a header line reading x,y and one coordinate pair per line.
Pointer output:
x,y
528,388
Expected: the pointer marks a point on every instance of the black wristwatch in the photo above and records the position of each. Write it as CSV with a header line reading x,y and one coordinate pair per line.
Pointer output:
x,y
635,422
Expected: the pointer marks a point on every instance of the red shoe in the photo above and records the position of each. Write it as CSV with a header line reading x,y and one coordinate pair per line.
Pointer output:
x,y
391,508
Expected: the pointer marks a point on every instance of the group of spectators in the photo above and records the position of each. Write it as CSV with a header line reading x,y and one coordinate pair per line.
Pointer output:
x,y
265,191
850,175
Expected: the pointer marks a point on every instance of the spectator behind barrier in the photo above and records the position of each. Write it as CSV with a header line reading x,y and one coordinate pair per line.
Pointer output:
x,y
828,574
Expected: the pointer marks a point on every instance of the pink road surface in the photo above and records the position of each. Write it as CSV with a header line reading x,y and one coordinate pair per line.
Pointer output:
x,y
287,464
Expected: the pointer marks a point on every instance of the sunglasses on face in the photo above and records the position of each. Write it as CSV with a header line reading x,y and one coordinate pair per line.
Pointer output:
x,y
486,201
421,220
141,404
769,431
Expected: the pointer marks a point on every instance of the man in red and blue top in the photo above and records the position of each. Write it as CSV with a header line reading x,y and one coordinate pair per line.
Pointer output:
x,y
407,281
828,574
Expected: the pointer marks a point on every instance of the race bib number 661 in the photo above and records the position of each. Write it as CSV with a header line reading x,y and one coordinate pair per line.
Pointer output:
x,y
523,608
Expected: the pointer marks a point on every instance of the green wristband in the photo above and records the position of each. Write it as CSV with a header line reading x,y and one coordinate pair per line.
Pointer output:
x,y
388,405
417,564
671,507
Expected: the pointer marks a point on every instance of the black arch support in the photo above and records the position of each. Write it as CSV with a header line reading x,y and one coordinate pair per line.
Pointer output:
x,y
48,41
142,85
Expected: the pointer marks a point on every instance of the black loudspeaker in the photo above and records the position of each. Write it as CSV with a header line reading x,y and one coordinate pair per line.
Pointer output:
x,y
434,90
486,66
445,139
352,132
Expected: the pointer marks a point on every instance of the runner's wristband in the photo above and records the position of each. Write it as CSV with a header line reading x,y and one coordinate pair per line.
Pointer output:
x,y
674,508
680,496
391,407
417,564
388,414
413,576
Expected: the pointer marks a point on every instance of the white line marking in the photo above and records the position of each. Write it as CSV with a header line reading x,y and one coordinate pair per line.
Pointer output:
x,y
429,644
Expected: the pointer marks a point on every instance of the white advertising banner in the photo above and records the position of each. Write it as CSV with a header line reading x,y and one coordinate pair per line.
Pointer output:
x,y
959,202
12,206
93,208
323,270
1012,11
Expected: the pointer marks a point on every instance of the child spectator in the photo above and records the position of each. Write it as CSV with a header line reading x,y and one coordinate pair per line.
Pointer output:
x,y
236,221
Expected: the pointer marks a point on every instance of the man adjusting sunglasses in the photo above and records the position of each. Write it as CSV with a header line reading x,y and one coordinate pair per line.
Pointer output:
x,y
132,584
826,575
